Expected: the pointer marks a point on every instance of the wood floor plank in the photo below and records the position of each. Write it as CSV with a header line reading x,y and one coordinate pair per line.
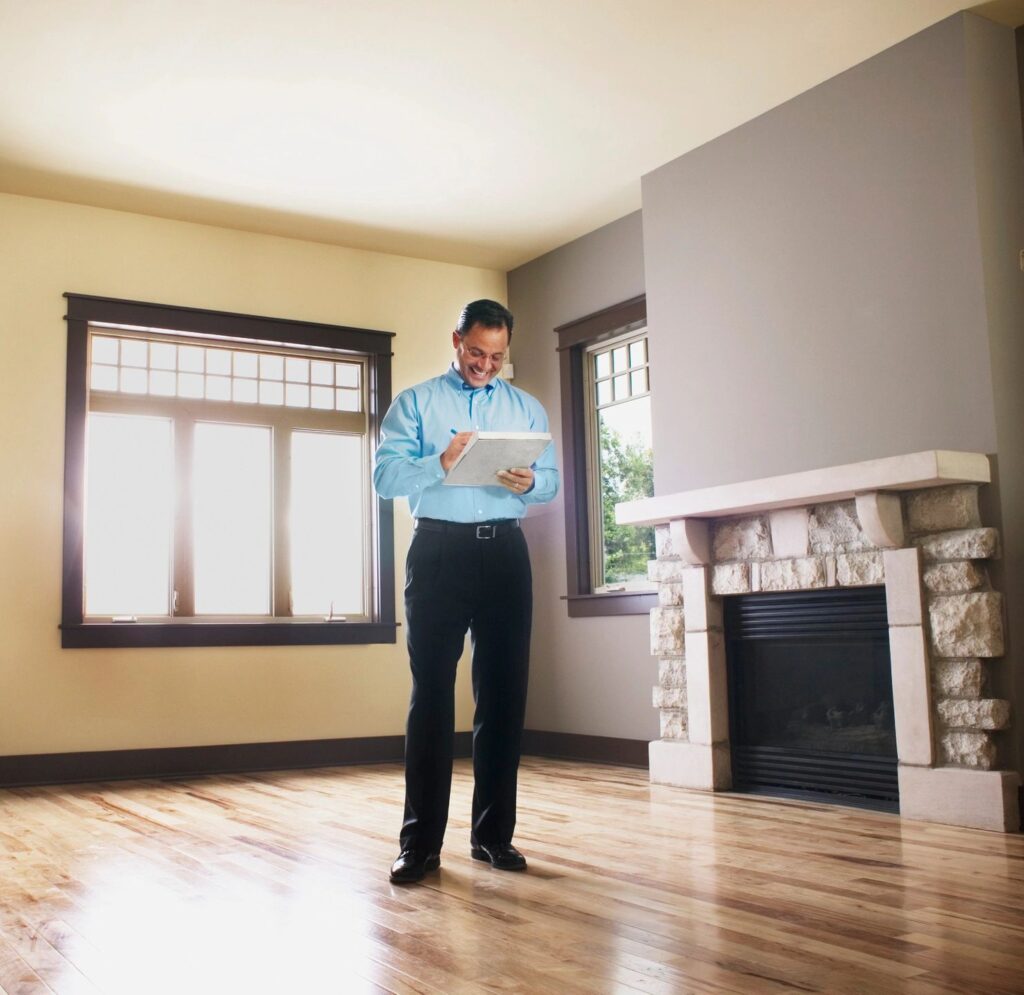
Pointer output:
x,y
277,882
16,976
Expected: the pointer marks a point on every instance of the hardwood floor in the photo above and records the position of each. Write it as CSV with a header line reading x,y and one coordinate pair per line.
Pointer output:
x,y
277,883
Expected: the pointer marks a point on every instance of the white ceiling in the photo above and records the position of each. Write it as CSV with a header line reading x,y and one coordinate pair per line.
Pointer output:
x,y
476,131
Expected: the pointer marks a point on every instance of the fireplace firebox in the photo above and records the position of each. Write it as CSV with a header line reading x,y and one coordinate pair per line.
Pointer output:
x,y
810,695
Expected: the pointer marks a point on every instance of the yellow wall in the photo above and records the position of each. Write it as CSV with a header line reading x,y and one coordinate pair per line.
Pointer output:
x,y
54,700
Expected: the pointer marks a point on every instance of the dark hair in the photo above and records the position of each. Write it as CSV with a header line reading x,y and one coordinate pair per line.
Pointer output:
x,y
490,314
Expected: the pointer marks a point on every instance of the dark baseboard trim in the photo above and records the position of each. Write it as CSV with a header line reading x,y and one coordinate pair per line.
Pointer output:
x,y
596,749
190,761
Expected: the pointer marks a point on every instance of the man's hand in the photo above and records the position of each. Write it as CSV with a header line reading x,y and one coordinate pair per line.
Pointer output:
x,y
518,480
454,450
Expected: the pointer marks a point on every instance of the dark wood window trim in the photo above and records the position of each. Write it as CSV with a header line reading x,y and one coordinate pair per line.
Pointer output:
x,y
373,346
573,339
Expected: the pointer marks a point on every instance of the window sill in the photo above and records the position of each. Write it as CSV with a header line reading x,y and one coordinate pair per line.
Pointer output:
x,y
611,603
95,635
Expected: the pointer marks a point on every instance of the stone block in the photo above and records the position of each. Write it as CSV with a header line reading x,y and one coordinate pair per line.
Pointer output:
x,y
663,542
967,544
793,575
911,694
973,798
903,601
702,612
789,531
665,571
691,540
954,578
673,723
707,692
941,509
983,713
966,625
670,595
670,697
672,673
730,578
859,569
740,539
881,519
835,528
667,628
691,765
968,749
958,678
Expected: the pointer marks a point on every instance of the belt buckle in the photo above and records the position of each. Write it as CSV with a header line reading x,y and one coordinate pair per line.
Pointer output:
x,y
485,531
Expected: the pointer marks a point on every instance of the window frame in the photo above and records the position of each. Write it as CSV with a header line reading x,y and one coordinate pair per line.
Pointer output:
x,y
574,339
371,347
592,413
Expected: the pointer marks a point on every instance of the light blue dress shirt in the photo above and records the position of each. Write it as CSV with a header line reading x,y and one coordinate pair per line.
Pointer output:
x,y
418,428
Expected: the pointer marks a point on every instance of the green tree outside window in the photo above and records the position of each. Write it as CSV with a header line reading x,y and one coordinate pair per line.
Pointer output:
x,y
627,473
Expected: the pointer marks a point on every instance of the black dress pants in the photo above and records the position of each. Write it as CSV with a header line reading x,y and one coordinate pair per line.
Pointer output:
x,y
457,582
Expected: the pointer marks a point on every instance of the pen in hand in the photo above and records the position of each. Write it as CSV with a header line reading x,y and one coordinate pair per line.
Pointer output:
x,y
455,449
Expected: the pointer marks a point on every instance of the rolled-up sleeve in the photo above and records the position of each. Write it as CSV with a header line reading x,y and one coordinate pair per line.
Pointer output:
x,y
400,468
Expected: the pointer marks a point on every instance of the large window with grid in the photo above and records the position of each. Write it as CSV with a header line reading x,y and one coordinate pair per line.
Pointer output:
x,y
218,486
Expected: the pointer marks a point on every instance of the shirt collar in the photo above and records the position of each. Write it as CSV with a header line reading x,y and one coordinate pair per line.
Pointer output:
x,y
454,378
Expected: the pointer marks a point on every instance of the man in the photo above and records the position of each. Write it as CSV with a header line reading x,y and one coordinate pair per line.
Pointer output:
x,y
468,568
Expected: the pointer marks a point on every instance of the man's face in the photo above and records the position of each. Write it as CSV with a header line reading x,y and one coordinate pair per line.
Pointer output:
x,y
480,353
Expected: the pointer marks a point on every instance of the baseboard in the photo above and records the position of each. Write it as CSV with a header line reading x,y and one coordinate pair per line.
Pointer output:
x,y
596,749
240,758
186,761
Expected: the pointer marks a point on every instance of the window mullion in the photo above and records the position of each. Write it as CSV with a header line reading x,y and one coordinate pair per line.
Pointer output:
x,y
184,573
282,470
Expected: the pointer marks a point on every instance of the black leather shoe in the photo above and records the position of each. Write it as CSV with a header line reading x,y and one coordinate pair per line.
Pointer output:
x,y
501,856
412,865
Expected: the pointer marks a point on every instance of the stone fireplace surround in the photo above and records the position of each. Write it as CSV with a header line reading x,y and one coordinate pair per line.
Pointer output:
x,y
908,522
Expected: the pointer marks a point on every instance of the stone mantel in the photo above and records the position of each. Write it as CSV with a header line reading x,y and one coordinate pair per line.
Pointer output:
x,y
933,468
911,523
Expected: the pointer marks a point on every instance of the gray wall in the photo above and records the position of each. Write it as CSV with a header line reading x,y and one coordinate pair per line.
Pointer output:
x,y
591,676
815,289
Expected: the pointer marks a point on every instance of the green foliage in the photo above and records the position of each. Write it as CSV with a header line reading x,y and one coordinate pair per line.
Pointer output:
x,y
627,473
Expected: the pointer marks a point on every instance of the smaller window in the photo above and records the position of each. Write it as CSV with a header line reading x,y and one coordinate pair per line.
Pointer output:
x,y
606,441
620,461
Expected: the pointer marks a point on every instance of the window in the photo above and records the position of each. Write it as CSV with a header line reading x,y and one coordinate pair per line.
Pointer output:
x,y
606,431
620,462
217,484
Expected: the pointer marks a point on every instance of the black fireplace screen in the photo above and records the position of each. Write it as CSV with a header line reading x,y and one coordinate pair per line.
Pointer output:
x,y
810,693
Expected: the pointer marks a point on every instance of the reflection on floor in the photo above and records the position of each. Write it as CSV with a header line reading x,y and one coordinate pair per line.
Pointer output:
x,y
278,883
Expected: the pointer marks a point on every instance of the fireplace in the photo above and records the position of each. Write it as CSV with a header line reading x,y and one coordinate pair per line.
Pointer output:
x,y
810,695
908,526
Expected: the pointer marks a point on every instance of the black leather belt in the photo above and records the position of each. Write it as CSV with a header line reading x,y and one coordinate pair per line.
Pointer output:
x,y
471,530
